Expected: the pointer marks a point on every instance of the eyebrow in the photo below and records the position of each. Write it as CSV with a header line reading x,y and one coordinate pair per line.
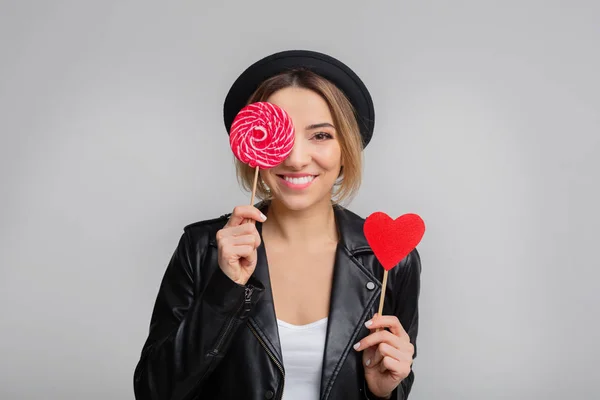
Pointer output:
x,y
321,125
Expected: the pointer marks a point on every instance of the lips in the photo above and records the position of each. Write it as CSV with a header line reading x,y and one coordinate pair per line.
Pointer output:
x,y
297,181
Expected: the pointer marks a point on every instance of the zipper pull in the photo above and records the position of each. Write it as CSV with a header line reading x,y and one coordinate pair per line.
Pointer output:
x,y
248,294
248,298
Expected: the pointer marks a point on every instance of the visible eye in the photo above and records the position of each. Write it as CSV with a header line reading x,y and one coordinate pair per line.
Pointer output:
x,y
320,136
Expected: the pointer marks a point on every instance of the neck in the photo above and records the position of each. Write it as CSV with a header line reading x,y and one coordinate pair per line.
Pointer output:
x,y
313,225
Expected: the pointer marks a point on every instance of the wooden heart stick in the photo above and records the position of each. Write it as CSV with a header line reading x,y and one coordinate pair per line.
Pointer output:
x,y
382,298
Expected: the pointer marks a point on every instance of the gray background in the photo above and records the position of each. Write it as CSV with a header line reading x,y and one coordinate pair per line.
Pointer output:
x,y
487,125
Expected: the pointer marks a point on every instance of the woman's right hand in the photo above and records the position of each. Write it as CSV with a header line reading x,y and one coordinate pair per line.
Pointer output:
x,y
237,243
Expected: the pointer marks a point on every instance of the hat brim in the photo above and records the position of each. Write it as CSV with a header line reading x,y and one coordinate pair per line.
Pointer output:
x,y
322,64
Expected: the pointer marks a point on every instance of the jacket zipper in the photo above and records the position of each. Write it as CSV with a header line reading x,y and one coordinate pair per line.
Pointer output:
x,y
247,301
273,359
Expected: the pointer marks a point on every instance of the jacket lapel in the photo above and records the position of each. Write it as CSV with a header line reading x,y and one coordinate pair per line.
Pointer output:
x,y
354,292
263,319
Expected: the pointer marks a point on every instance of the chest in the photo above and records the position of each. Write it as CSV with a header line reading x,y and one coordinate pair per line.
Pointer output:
x,y
301,283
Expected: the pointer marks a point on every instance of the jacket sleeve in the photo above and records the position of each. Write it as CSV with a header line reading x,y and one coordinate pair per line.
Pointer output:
x,y
407,311
406,308
190,332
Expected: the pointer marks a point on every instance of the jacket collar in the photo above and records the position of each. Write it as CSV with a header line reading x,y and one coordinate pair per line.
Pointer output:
x,y
354,292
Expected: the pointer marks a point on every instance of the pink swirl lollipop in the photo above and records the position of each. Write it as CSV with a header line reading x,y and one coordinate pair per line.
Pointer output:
x,y
262,135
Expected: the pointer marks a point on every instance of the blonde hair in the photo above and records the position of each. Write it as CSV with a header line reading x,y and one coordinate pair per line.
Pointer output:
x,y
344,119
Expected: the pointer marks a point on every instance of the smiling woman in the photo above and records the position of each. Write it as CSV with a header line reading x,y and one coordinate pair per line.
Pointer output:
x,y
283,306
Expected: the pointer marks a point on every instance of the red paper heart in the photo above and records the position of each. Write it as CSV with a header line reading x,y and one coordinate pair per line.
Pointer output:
x,y
392,240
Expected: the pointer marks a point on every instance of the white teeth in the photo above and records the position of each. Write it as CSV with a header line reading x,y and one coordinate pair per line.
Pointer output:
x,y
299,181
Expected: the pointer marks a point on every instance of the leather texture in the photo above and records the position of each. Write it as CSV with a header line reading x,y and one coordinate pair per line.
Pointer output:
x,y
211,338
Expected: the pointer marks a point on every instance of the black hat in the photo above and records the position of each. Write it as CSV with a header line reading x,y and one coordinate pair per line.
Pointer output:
x,y
322,64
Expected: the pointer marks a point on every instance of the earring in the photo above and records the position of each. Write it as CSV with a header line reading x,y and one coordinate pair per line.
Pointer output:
x,y
267,189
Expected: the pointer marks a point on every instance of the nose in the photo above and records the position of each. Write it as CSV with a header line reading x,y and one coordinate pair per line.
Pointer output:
x,y
299,157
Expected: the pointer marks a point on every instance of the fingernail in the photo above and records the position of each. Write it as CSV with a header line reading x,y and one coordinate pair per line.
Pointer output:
x,y
263,216
356,346
368,362
369,323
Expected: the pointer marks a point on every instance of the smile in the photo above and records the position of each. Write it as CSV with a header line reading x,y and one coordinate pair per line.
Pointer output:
x,y
297,182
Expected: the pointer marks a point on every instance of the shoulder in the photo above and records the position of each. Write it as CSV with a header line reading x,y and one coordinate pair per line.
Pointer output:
x,y
411,264
350,226
206,225
202,233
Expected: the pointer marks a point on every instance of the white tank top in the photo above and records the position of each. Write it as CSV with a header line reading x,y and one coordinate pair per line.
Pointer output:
x,y
302,349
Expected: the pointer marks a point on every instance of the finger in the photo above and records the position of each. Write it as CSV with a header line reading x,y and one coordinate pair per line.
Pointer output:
x,y
234,253
248,253
386,321
245,231
248,240
239,230
369,357
241,213
386,350
377,338
379,353
399,370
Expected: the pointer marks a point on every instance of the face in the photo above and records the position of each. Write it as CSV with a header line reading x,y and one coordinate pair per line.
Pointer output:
x,y
306,177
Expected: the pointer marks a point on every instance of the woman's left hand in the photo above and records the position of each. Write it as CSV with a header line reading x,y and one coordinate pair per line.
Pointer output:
x,y
387,355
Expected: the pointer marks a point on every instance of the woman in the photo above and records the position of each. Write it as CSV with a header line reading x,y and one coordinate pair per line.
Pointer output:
x,y
283,306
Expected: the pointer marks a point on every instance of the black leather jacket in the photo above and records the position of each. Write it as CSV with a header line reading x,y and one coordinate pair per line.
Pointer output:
x,y
211,338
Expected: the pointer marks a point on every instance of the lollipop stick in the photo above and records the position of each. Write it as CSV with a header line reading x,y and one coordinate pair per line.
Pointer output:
x,y
382,298
254,185
253,193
